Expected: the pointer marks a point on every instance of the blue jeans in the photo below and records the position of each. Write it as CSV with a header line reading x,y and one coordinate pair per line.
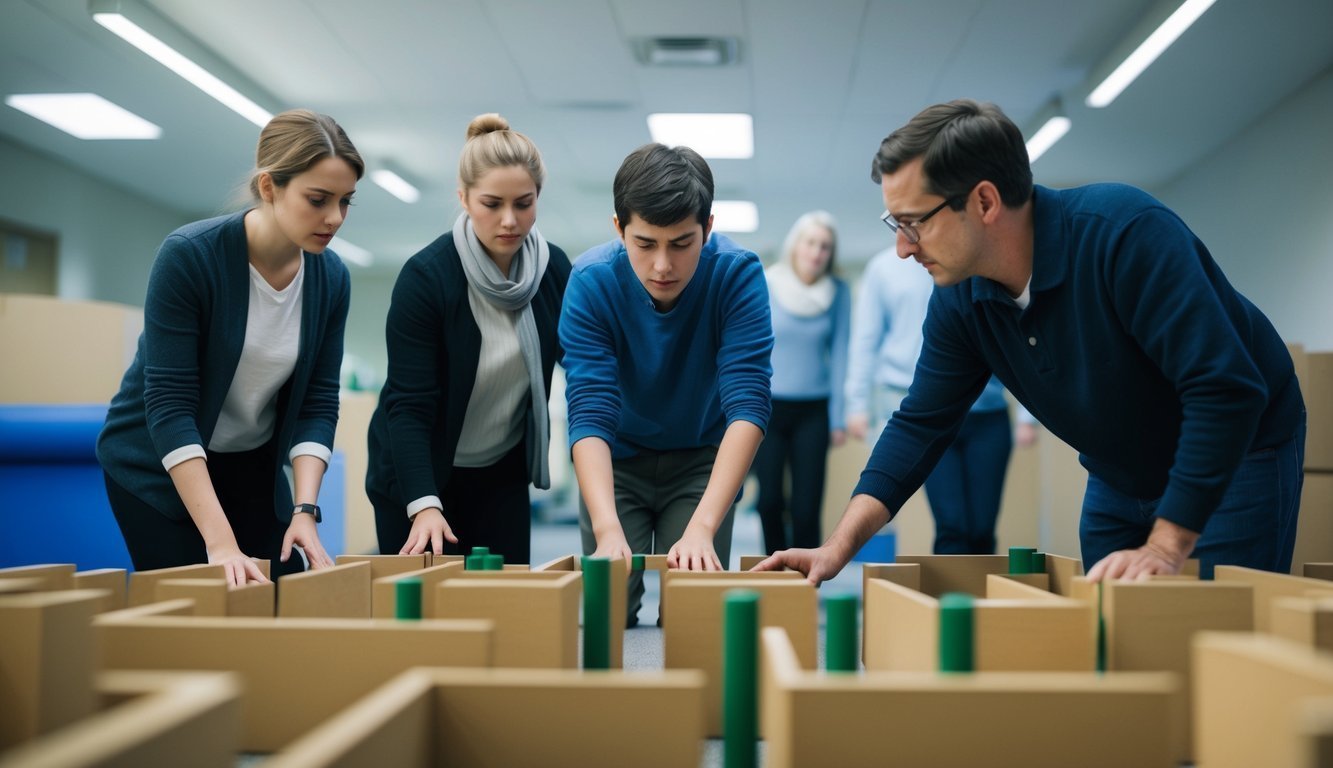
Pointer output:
x,y
966,486
1254,526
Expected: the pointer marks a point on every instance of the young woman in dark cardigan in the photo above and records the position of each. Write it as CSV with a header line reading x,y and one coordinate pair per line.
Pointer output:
x,y
237,369
462,428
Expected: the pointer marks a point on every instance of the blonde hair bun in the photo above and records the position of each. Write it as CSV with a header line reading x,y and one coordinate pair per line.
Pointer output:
x,y
487,123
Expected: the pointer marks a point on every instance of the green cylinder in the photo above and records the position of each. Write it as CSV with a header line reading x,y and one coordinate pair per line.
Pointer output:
x,y
956,632
1020,560
1101,631
493,562
474,563
636,562
481,550
740,678
1038,562
596,613
840,636
407,599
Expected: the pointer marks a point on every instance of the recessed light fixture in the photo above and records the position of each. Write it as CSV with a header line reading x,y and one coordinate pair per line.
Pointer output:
x,y
84,115
115,16
735,216
1147,52
1050,132
687,51
395,185
353,253
715,135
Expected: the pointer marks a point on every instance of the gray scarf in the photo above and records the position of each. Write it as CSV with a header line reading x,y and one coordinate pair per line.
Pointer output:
x,y
514,294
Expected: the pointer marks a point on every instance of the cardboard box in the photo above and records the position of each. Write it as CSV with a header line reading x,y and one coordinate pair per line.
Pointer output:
x,y
46,662
536,621
65,351
619,594
340,592
296,672
1323,571
388,565
215,597
1267,587
956,573
155,719
1046,720
1318,393
1249,694
692,639
1314,527
354,412
1308,621
114,581
498,718
143,584
57,576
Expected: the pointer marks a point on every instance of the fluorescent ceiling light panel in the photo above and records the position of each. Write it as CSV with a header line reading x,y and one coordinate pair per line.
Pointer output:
x,y
1046,136
176,62
720,135
735,216
395,185
84,115
353,253
1147,52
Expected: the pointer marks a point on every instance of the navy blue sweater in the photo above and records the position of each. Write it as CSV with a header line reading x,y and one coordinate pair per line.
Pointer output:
x,y
1135,350
434,345
194,329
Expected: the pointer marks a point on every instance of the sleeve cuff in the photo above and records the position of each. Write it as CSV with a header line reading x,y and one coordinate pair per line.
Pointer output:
x,y
425,502
320,452
182,454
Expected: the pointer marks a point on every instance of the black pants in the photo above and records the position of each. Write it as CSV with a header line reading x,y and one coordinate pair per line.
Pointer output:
x,y
244,486
967,485
484,506
797,437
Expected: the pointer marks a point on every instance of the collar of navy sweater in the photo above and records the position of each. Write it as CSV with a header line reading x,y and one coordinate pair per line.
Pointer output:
x,y
1049,261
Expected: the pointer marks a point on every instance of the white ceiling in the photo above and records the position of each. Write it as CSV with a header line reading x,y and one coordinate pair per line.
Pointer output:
x,y
824,80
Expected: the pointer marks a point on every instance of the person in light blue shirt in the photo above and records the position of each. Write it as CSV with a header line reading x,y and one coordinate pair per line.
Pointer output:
x,y
667,340
811,315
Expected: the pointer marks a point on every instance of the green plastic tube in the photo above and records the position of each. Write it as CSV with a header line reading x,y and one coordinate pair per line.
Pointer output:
x,y
596,613
956,632
1020,560
407,599
740,678
840,636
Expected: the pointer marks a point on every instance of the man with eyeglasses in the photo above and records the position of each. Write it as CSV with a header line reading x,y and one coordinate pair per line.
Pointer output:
x,y
1107,318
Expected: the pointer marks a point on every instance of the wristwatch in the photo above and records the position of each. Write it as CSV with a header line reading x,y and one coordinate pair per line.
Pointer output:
x,y
309,509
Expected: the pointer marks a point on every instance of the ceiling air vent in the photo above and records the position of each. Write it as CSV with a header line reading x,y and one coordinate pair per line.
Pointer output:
x,y
687,51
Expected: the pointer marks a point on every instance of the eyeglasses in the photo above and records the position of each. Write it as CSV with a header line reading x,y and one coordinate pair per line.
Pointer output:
x,y
908,228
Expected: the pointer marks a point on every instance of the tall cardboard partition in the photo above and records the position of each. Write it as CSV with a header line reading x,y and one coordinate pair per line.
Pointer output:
x,y
115,581
675,574
1031,630
1308,621
1250,694
154,720
1267,587
54,576
692,637
340,592
1150,626
46,662
1322,571
956,573
930,720
388,565
215,597
296,672
536,616
498,718
143,584
384,589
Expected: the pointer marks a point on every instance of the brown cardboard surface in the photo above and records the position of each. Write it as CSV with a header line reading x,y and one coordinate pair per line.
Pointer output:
x,y
956,573
1267,587
340,592
384,594
1062,571
162,719
354,412
750,561
1317,390
46,662
1150,626
1315,732
619,594
115,581
57,576
1314,526
71,351
987,719
1020,587
1303,620
214,597
791,604
677,574
388,565
17,586
1248,692
536,621
297,672
1322,571
902,628
143,584
507,717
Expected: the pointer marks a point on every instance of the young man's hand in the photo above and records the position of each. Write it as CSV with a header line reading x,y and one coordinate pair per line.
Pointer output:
x,y
694,552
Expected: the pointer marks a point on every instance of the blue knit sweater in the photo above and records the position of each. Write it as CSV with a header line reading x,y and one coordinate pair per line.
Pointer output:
x,y
647,380
810,354
1135,350
194,329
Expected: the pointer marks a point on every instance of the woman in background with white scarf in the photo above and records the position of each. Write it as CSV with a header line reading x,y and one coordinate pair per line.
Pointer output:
x,y
462,427
811,319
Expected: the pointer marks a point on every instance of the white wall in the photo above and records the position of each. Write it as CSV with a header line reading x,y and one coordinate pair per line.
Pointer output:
x,y
107,235
1264,206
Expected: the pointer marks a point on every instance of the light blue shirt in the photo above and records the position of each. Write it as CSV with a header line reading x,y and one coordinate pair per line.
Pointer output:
x,y
810,353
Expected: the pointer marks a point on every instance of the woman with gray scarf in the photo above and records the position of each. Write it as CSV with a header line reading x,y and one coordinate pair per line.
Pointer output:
x,y
462,428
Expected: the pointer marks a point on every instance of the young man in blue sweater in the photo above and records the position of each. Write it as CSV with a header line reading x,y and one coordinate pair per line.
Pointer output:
x,y
667,338
1109,320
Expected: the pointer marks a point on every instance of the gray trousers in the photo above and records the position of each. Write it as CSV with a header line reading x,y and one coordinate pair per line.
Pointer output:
x,y
656,495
